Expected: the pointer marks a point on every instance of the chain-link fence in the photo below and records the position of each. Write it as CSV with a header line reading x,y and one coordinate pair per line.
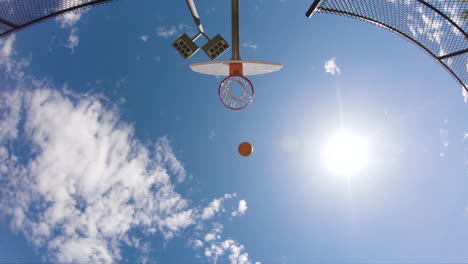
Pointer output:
x,y
437,26
18,14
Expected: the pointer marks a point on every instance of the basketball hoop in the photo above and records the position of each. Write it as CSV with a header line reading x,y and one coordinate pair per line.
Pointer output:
x,y
236,92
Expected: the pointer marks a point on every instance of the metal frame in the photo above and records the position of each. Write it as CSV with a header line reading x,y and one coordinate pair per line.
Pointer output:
x,y
312,8
15,27
315,6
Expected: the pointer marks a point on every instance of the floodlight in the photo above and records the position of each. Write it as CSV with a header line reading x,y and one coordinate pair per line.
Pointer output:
x,y
186,46
215,47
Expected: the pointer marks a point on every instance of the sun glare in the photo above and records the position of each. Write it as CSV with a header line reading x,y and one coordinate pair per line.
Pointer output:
x,y
345,153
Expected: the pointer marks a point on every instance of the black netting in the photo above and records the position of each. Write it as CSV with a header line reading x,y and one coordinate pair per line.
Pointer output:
x,y
4,28
437,26
458,64
17,14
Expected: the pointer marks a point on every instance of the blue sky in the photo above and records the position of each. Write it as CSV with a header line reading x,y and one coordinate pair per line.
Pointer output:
x,y
113,150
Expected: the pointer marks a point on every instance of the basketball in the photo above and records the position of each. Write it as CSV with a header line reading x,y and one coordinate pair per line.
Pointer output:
x,y
245,149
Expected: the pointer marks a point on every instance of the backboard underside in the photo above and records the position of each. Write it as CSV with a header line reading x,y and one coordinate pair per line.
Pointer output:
x,y
222,68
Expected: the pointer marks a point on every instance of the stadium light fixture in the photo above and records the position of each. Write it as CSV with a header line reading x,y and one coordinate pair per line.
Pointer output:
x,y
187,47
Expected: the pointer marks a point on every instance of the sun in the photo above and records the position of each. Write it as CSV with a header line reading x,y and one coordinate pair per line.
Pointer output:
x,y
346,153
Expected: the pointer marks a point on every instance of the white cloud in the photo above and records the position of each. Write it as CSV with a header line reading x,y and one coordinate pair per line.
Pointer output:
x,y
166,155
215,232
197,243
73,39
331,67
465,95
94,177
444,136
216,247
13,68
234,251
86,177
166,32
249,44
170,31
70,19
7,47
209,237
241,208
82,181
10,115
215,206
144,38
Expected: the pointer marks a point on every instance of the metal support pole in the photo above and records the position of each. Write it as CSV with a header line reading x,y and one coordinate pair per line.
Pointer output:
x,y
313,7
196,17
235,29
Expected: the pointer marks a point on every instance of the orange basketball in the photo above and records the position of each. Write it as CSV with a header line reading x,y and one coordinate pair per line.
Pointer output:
x,y
245,149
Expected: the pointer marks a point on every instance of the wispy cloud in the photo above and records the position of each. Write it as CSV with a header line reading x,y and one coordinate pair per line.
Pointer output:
x,y
214,207
444,137
69,21
6,50
210,10
331,67
170,31
250,45
121,82
166,32
444,134
12,67
73,39
144,38
211,134
230,248
465,95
